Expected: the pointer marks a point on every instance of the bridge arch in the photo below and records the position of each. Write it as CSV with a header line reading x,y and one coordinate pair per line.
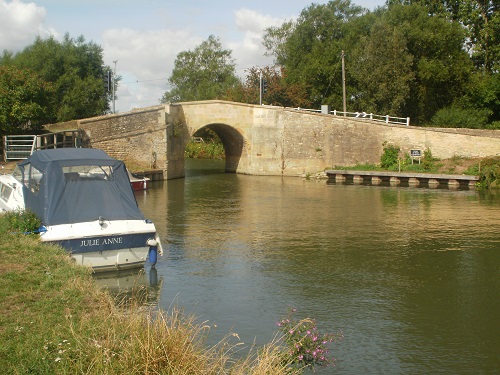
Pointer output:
x,y
265,140
231,139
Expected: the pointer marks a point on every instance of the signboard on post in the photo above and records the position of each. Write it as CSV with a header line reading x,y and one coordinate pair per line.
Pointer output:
x,y
415,154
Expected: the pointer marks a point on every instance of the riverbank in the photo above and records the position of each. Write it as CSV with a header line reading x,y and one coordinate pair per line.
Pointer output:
x,y
55,320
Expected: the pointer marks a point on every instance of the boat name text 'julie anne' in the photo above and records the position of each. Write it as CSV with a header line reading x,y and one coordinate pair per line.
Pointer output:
x,y
105,241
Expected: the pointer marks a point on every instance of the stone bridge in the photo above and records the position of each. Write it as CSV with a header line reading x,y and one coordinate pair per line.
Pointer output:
x,y
264,140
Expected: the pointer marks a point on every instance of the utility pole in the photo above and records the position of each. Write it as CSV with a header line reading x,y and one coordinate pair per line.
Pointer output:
x,y
113,85
260,88
343,83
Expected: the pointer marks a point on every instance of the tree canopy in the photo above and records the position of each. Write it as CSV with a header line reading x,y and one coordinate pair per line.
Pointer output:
x,y
71,73
207,72
416,58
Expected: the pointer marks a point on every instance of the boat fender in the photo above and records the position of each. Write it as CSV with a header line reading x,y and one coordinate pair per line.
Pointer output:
x,y
153,250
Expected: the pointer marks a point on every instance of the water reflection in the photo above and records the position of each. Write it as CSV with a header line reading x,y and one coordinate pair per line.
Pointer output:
x,y
409,274
139,286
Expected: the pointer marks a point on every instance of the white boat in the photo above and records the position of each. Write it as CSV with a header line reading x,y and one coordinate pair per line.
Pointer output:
x,y
86,203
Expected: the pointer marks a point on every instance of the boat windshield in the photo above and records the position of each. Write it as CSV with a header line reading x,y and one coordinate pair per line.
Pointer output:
x,y
88,172
17,174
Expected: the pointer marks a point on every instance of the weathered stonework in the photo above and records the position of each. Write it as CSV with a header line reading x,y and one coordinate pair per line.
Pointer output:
x,y
264,140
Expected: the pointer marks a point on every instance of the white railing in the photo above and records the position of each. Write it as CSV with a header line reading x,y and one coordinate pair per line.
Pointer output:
x,y
361,116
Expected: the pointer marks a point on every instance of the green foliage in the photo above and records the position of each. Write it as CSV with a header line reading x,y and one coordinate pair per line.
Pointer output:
x,y
458,117
390,156
73,72
489,173
21,221
280,92
428,162
25,100
309,49
417,59
213,149
205,73
305,344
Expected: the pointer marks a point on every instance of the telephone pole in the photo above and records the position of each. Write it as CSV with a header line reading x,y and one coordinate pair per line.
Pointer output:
x,y
113,85
343,83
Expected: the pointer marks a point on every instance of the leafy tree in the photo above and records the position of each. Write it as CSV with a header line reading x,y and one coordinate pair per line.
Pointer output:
x,y
310,48
481,22
25,100
441,66
279,92
76,71
207,72
383,69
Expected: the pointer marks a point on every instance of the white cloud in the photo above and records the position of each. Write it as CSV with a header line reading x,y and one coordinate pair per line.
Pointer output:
x,y
145,60
20,23
249,51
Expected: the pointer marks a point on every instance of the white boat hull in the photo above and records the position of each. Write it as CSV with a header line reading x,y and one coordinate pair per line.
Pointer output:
x,y
105,245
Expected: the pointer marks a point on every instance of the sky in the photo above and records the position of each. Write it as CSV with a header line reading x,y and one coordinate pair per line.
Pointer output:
x,y
144,37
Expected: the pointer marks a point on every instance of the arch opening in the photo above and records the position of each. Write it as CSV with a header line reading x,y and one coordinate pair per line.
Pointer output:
x,y
231,140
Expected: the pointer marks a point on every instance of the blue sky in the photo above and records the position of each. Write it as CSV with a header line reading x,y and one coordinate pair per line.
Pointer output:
x,y
146,36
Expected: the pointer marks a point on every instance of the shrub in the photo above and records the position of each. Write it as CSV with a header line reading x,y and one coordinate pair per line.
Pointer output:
x,y
390,156
489,174
458,117
24,221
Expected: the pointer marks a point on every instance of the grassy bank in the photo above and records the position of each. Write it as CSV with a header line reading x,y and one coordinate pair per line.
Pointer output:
x,y
54,320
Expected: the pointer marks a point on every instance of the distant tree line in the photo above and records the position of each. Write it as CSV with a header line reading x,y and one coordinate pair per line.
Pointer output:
x,y
435,61
51,81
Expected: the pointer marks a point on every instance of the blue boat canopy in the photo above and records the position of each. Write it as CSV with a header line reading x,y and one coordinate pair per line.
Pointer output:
x,y
73,185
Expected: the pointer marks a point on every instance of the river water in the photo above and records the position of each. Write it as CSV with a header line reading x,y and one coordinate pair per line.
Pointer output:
x,y
409,275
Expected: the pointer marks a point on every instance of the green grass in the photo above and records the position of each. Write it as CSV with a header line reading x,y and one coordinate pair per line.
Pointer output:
x,y
55,320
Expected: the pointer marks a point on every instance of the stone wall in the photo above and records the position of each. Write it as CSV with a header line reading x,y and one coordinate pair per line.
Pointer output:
x,y
264,140
138,136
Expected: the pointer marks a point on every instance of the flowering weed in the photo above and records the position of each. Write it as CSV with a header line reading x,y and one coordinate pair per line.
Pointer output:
x,y
306,345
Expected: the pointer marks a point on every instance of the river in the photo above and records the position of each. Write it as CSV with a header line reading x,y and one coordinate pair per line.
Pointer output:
x,y
409,275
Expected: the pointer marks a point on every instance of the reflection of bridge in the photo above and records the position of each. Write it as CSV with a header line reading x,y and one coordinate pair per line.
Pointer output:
x,y
262,140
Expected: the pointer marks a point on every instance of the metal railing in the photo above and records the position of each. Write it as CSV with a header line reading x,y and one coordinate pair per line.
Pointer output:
x,y
19,147
361,116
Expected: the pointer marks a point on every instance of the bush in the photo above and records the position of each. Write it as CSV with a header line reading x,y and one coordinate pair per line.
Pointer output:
x,y
23,221
390,156
457,117
489,174
205,150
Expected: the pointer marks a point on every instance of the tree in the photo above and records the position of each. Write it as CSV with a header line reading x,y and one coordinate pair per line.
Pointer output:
x,y
481,22
25,100
207,72
441,66
382,67
76,71
279,92
309,49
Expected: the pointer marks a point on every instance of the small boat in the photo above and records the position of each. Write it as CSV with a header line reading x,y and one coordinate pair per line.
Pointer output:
x,y
85,201
138,183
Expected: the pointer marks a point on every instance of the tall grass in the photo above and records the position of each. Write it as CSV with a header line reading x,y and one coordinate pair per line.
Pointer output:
x,y
55,320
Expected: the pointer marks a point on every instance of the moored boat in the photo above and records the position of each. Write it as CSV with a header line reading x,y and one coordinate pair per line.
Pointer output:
x,y
138,183
86,203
